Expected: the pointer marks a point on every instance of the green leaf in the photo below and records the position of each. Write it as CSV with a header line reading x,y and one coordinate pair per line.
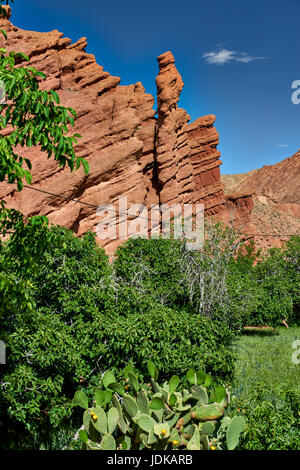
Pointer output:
x,y
83,435
55,96
108,443
122,425
219,394
151,369
208,381
112,419
101,423
234,431
173,384
208,412
99,397
145,422
116,387
130,406
28,163
127,369
172,400
116,404
200,394
207,427
85,166
191,376
81,399
92,445
162,430
125,442
107,396
194,442
86,420
200,376
40,74
133,381
157,403
28,176
152,439
23,56
108,378
142,401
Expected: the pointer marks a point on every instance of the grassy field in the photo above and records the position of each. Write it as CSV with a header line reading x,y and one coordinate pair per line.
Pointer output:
x,y
267,387
267,360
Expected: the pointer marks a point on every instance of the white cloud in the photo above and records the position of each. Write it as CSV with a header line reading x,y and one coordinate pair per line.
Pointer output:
x,y
282,146
223,56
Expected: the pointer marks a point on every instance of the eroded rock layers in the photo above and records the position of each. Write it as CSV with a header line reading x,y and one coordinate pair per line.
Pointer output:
x,y
130,151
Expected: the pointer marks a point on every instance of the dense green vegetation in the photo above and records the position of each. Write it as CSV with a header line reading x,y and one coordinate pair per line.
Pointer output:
x,y
267,390
87,316
158,417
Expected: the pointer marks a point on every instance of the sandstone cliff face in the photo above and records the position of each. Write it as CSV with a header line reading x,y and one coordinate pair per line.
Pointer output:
x,y
130,151
203,139
274,190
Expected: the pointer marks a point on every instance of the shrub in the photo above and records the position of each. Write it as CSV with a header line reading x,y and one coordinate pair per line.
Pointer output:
x,y
267,292
272,422
267,390
82,316
174,341
161,271
150,416
50,347
79,325
149,271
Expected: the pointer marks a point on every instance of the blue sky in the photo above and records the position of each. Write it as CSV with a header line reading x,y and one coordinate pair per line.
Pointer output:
x,y
238,60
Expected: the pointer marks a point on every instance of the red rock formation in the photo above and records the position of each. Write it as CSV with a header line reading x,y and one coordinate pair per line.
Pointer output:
x,y
174,169
187,158
274,190
130,153
203,140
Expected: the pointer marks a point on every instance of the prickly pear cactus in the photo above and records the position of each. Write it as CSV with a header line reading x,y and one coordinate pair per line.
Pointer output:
x,y
152,416
234,430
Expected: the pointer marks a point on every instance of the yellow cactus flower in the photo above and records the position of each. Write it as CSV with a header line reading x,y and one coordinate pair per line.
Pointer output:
x,y
175,443
95,417
163,431
212,448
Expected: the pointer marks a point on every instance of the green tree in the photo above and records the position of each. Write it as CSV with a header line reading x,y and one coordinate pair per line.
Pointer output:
x,y
52,347
34,118
29,117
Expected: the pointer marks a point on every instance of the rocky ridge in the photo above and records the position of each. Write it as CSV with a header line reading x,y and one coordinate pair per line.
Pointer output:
x,y
274,190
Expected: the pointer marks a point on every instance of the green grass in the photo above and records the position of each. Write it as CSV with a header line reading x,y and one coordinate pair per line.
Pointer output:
x,y
267,361
267,390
